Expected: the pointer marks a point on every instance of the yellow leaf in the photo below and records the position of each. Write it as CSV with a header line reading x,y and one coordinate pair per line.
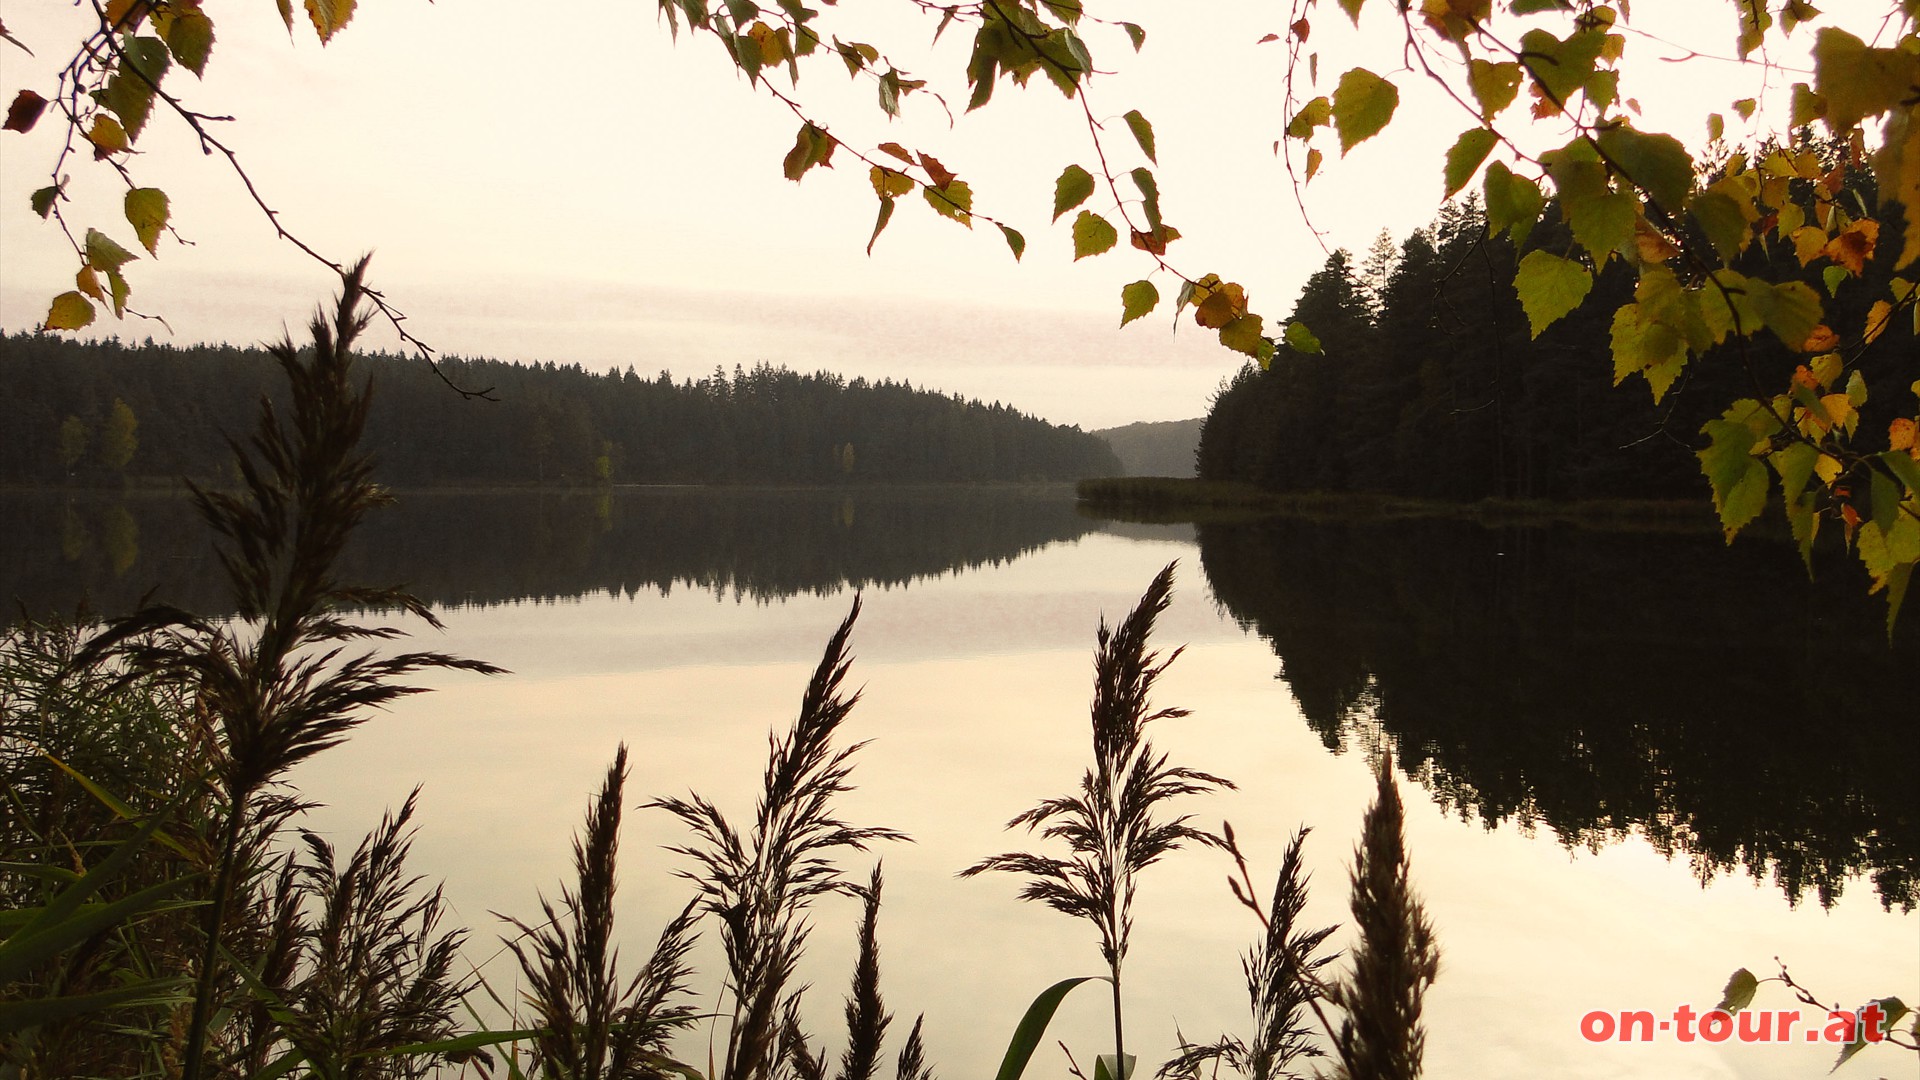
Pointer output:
x,y
888,183
1827,369
1897,167
70,311
1877,319
1828,468
1900,434
147,213
107,136
1809,243
1314,158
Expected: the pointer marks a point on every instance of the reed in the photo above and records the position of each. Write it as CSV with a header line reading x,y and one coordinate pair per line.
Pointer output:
x,y
277,685
589,1026
759,884
1115,826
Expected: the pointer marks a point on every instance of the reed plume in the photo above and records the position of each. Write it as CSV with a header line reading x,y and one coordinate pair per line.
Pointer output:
x,y
760,884
1112,826
276,685
589,1027
1282,979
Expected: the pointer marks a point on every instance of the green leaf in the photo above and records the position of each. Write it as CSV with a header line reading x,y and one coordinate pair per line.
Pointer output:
x,y
955,201
19,1015
812,146
1794,463
1857,81
1725,224
1562,67
1550,287
1136,300
1315,113
1301,340
44,198
104,254
1015,241
130,91
1142,133
1657,164
70,311
1352,8
1534,7
1464,159
1135,34
1891,1009
880,224
1092,235
1513,202
1033,1026
1791,310
1494,86
1738,479
189,36
1603,223
1244,335
1363,104
147,213
1149,196
1103,1067
1740,988
1832,277
1645,346
1903,467
1074,187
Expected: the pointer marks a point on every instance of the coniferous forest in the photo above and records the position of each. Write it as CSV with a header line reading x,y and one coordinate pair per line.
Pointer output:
x,y
1430,385
106,412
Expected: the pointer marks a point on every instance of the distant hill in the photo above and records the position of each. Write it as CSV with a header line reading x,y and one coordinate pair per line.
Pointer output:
x,y
1155,449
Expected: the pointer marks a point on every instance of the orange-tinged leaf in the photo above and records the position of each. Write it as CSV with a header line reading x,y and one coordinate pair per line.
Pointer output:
x,y
897,151
1155,242
1822,339
329,16
1803,376
126,14
1854,246
88,282
940,174
70,311
1901,434
1221,305
1651,244
1301,28
1314,158
1877,319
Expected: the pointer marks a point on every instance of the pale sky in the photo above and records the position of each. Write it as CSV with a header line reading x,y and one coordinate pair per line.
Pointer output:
x,y
562,182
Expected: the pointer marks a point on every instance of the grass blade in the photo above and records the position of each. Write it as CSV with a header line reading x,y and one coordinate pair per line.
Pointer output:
x,y
1033,1026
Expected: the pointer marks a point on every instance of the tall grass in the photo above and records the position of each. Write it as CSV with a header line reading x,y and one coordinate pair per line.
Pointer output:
x,y
759,883
1114,827
589,1026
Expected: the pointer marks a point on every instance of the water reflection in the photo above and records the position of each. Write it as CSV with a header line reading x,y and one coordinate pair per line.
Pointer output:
x,y
1604,684
459,549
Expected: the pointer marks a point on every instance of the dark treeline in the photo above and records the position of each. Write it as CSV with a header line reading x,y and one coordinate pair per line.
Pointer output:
x,y
1431,385
102,412
455,549
1604,684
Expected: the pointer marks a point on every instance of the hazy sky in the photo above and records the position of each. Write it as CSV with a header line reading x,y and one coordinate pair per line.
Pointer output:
x,y
562,182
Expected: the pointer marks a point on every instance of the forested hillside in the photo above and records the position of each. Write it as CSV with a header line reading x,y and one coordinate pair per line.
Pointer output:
x,y
104,412
1431,385
1163,448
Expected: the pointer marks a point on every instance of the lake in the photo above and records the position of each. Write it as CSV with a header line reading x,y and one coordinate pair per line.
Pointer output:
x,y
1633,762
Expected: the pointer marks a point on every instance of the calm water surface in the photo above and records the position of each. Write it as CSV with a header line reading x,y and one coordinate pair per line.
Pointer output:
x,y
1613,801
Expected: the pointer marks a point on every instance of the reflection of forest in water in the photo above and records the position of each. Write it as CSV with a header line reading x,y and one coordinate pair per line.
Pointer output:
x,y
1707,697
456,549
